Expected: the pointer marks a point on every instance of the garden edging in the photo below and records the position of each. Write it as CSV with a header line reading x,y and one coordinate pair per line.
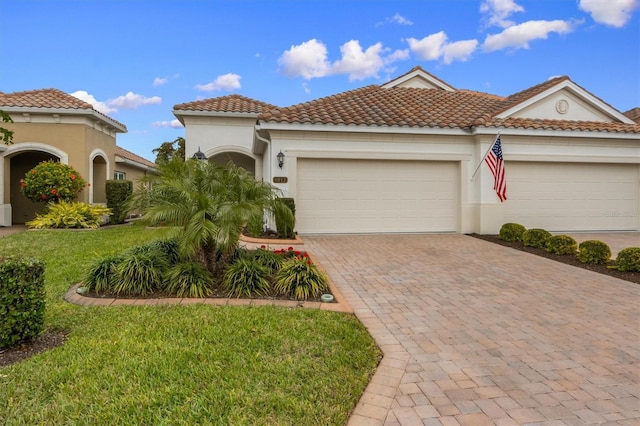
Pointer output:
x,y
339,305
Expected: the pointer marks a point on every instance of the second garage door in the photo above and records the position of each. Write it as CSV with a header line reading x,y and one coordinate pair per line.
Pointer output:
x,y
573,197
368,196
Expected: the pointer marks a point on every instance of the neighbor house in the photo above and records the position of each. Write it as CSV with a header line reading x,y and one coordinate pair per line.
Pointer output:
x,y
51,124
401,156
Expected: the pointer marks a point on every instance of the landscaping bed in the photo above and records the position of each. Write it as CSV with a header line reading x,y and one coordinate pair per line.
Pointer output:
x,y
606,269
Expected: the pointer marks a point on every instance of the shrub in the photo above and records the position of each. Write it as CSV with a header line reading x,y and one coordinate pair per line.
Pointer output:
x,y
628,259
189,279
141,271
285,225
536,237
168,247
561,244
69,215
594,252
117,193
300,278
267,258
22,300
246,277
255,225
52,181
512,232
101,276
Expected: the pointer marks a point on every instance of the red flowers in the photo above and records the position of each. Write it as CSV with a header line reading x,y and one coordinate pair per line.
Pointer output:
x,y
72,177
44,197
54,191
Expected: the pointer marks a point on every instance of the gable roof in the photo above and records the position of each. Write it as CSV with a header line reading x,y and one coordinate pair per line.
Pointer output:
x,y
135,158
55,101
634,114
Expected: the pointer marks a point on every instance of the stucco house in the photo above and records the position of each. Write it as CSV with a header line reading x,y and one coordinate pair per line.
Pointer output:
x,y
51,124
401,156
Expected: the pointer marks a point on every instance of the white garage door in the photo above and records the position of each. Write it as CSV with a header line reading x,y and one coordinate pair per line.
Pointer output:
x,y
573,197
360,196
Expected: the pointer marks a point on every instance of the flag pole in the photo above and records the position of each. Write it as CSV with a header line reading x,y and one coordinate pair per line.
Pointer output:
x,y
485,156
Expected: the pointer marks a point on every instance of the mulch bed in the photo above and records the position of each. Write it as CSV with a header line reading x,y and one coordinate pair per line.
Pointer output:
x,y
48,340
633,277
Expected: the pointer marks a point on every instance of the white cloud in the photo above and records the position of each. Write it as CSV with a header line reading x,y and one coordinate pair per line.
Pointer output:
x,y
459,50
436,46
128,101
226,82
497,11
615,13
357,63
98,105
398,55
132,101
519,36
399,19
308,60
160,81
430,47
175,124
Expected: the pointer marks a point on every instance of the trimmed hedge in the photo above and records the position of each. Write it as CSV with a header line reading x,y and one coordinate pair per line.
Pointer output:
x,y
561,244
117,193
594,252
512,232
628,259
536,237
22,300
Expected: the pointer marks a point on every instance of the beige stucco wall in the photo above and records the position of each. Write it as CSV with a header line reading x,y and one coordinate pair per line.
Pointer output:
x,y
83,144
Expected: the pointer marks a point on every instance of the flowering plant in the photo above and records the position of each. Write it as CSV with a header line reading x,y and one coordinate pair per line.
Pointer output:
x,y
52,181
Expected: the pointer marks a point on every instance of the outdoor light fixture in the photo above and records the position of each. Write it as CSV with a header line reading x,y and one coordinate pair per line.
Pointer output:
x,y
280,159
199,155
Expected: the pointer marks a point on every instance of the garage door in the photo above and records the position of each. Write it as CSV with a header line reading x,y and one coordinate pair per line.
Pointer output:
x,y
361,196
573,197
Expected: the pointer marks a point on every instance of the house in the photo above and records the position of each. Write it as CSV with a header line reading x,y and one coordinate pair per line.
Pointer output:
x,y
51,124
401,156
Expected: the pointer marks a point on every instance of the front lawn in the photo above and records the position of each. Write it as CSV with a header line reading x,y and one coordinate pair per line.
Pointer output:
x,y
193,364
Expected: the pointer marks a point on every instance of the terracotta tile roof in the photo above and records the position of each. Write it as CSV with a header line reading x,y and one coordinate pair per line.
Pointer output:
x,y
633,114
230,103
414,107
128,155
396,106
50,99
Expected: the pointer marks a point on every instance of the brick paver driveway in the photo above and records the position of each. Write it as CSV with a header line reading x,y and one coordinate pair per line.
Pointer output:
x,y
475,333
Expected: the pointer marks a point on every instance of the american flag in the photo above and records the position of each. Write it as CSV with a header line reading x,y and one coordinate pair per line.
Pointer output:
x,y
496,163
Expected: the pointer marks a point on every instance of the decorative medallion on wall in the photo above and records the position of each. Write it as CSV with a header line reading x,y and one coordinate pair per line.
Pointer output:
x,y
562,106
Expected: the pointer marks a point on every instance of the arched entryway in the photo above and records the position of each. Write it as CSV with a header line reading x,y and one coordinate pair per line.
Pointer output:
x,y
99,180
23,209
241,160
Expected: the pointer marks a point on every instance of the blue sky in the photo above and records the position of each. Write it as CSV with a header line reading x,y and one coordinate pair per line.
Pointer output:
x,y
135,60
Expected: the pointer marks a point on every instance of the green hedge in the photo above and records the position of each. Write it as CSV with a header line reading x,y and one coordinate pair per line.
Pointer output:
x,y
22,300
117,193
561,244
536,237
594,252
628,259
512,232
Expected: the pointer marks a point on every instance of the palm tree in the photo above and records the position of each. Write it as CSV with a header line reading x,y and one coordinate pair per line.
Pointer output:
x,y
209,205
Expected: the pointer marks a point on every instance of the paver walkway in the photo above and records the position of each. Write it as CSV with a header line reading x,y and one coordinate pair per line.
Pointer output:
x,y
476,334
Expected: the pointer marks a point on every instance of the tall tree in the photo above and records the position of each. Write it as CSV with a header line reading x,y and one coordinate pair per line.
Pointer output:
x,y
170,150
6,135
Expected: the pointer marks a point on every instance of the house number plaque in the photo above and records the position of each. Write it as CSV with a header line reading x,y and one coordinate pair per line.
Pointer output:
x,y
280,179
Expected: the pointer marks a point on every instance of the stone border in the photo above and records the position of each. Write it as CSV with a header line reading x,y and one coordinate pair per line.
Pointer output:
x,y
340,304
271,241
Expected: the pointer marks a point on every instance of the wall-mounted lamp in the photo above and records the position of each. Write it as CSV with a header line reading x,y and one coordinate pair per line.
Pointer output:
x,y
199,155
280,159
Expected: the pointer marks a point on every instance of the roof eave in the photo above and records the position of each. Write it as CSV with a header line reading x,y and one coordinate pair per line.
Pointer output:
x,y
118,127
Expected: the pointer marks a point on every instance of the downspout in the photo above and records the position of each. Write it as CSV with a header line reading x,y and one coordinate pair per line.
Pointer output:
x,y
268,152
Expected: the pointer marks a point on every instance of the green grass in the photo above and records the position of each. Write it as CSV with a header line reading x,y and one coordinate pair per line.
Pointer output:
x,y
194,364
